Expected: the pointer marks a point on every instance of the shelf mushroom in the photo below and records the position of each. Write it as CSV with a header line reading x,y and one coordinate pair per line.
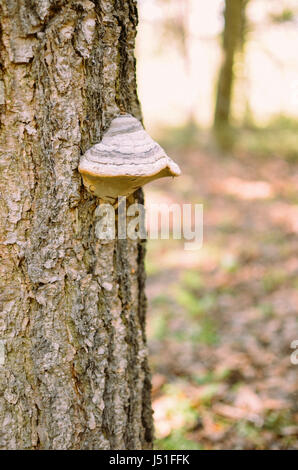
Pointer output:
x,y
124,160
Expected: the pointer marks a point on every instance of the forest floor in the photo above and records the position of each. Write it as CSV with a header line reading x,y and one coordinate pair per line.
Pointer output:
x,y
221,320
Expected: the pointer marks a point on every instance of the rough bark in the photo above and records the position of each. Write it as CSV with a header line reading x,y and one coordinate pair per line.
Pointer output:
x,y
73,373
233,38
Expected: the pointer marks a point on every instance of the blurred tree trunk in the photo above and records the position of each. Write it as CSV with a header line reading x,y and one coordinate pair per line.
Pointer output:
x,y
73,356
233,39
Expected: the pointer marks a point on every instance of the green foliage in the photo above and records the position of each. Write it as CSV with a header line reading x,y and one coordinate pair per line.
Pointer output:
x,y
229,263
183,137
151,267
188,301
250,432
177,441
287,15
278,138
159,326
208,331
193,304
211,377
192,280
266,309
274,279
160,300
276,420
181,405
210,391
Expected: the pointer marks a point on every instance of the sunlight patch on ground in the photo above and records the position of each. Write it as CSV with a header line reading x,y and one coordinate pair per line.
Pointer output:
x,y
247,189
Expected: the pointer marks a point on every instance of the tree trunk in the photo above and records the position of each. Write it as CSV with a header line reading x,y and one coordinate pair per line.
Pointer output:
x,y
73,355
233,37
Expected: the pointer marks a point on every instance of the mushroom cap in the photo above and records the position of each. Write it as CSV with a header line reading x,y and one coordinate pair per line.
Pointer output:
x,y
126,158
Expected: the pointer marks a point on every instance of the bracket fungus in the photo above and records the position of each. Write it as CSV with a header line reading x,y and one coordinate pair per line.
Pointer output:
x,y
124,160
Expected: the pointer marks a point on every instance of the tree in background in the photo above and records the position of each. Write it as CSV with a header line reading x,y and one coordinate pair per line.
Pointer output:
x,y
233,40
73,365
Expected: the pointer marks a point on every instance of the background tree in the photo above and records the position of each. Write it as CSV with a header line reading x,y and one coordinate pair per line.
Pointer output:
x,y
233,39
73,371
